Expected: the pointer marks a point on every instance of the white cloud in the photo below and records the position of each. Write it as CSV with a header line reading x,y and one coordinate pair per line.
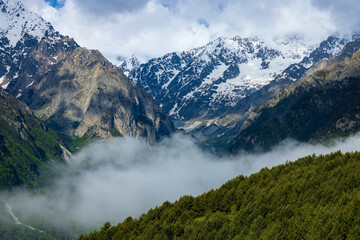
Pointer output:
x,y
113,179
151,28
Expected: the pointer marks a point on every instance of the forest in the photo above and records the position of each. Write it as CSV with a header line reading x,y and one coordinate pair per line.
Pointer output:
x,y
315,197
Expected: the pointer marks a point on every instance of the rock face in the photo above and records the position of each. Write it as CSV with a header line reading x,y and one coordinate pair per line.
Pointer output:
x,y
85,95
25,143
75,90
227,76
321,105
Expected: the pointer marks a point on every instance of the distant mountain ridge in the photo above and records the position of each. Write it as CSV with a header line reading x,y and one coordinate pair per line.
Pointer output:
x,y
322,105
218,79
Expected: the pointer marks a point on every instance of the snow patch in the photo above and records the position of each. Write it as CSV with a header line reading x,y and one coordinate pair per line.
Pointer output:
x,y
3,77
172,111
16,20
5,85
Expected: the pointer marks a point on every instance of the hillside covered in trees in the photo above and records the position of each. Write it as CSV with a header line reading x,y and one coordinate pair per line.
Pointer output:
x,y
316,197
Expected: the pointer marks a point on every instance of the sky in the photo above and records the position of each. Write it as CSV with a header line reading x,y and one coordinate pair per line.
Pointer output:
x,y
152,28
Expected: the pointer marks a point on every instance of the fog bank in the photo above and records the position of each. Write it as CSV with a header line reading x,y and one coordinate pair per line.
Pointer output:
x,y
111,180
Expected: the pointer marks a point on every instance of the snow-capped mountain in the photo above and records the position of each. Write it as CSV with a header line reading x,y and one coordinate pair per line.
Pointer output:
x,y
128,64
76,90
213,80
16,21
20,31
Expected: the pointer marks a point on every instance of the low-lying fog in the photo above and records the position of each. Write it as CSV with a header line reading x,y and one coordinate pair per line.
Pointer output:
x,y
110,180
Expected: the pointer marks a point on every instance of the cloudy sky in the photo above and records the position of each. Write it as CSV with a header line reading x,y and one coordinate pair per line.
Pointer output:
x,y
151,28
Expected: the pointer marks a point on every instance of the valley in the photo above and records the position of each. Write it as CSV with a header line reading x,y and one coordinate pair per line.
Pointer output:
x,y
236,132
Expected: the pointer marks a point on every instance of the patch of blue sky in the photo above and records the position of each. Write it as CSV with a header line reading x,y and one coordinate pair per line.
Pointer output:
x,y
56,3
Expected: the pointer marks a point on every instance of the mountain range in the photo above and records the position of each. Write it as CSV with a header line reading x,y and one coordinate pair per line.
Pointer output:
x,y
209,91
322,105
224,76
234,95
96,99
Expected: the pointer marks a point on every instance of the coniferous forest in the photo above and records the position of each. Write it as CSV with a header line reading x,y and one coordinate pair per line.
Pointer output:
x,y
316,197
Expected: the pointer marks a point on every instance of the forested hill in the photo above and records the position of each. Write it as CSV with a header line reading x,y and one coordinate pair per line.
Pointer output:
x,y
316,197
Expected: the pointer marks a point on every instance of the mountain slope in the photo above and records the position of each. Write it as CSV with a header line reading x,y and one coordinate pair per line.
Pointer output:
x,y
115,106
85,95
25,144
217,79
20,32
324,103
312,198
326,50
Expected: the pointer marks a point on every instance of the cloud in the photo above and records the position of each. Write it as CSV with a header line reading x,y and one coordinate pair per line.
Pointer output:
x,y
113,179
107,7
344,13
151,28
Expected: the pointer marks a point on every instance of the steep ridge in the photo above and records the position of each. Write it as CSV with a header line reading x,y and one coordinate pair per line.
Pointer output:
x,y
25,144
33,53
322,105
315,197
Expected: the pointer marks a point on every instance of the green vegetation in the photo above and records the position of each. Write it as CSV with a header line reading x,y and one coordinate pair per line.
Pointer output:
x,y
115,133
75,143
14,232
316,197
25,144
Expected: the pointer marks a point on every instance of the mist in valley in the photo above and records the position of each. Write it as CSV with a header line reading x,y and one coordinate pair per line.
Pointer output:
x,y
111,180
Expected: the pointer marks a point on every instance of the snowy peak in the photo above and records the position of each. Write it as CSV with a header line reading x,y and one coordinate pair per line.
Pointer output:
x,y
211,80
128,64
21,32
219,73
16,21
236,48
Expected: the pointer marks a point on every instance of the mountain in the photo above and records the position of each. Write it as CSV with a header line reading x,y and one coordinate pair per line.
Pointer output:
x,y
85,95
323,104
128,64
218,79
87,99
25,144
327,49
20,33
315,197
